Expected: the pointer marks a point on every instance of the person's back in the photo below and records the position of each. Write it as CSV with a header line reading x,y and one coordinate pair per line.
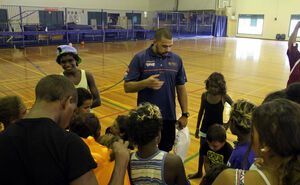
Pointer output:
x,y
149,165
37,149
146,170
275,139
157,169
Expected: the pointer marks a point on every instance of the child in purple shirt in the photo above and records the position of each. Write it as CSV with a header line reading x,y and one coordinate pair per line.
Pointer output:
x,y
240,125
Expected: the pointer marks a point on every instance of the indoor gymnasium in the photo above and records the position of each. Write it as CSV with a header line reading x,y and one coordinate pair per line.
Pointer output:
x,y
220,74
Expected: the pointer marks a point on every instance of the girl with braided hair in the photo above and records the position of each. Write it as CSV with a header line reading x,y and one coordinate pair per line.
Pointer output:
x,y
240,125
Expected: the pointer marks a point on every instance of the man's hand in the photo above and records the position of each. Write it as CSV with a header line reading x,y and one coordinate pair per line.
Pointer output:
x,y
154,83
182,122
120,151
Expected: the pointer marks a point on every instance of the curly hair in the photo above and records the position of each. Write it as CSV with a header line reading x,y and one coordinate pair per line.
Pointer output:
x,y
278,125
218,79
241,114
144,124
85,124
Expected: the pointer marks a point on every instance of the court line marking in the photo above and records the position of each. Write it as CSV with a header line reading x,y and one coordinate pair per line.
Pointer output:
x,y
20,95
117,113
36,66
21,66
117,104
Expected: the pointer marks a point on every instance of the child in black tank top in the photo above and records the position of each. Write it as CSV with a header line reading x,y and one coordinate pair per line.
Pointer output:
x,y
212,106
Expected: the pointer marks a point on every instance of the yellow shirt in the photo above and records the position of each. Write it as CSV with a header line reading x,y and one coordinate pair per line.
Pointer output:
x,y
101,155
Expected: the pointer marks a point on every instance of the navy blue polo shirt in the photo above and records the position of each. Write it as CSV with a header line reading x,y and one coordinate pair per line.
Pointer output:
x,y
171,70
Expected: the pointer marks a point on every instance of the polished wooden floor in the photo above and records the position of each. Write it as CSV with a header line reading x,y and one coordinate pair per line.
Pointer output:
x,y
252,69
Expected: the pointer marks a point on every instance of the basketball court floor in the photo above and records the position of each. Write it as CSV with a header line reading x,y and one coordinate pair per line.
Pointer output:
x,y
252,69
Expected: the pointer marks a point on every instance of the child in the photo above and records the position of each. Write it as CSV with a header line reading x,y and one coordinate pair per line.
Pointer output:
x,y
212,105
68,59
85,100
87,126
216,150
149,165
274,138
12,108
119,128
240,125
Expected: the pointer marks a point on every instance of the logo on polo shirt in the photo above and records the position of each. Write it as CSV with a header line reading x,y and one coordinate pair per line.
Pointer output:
x,y
172,64
150,63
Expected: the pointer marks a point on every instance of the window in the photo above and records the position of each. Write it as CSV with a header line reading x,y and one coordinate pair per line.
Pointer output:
x,y
294,21
250,24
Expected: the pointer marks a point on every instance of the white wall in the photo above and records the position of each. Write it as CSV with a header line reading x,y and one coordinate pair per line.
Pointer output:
x,y
149,5
155,5
197,4
97,4
280,9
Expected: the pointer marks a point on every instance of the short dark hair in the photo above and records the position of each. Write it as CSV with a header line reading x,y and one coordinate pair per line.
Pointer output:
x,y
55,87
75,56
217,78
293,92
216,132
9,109
144,124
85,124
83,95
122,121
163,32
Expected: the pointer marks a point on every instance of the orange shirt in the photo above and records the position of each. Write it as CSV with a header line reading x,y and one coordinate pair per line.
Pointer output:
x,y
101,155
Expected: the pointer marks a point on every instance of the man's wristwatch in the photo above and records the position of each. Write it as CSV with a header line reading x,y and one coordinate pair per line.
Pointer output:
x,y
186,114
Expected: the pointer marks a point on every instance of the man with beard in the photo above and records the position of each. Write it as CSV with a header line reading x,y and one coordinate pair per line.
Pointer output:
x,y
155,73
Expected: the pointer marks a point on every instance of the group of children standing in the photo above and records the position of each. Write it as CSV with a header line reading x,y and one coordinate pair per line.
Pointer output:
x,y
142,127
214,149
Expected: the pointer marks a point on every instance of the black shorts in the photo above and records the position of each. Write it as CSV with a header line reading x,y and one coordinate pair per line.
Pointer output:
x,y
167,136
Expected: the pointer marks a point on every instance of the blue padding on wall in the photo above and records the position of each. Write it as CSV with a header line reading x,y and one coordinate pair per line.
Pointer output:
x,y
220,27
